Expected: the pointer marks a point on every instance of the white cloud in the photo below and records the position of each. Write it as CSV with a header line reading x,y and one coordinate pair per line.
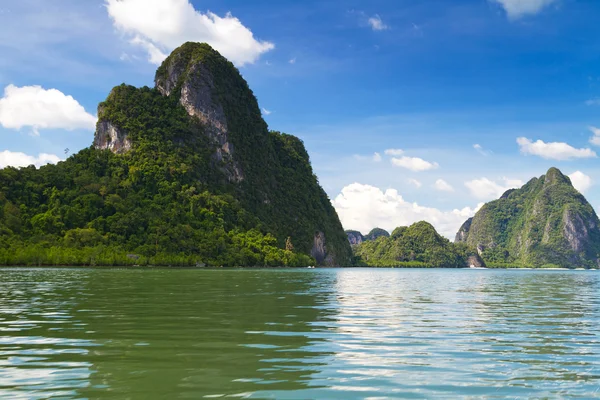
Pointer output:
x,y
364,207
377,24
415,183
580,181
36,107
516,9
553,151
266,112
292,61
480,150
377,157
160,26
443,186
14,159
595,140
486,189
394,152
415,164
593,102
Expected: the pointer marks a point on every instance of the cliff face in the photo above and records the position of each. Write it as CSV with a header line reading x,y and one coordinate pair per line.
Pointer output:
x,y
547,221
355,237
268,172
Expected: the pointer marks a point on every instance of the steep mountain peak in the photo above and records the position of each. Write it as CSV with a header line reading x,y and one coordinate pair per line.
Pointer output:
x,y
554,176
547,221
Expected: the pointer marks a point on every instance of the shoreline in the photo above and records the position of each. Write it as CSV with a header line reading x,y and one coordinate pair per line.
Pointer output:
x,y
283,267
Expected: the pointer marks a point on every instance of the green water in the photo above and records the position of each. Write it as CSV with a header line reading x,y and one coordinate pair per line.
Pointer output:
x,y
298,334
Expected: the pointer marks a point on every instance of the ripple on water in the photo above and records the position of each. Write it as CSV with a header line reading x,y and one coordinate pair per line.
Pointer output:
x,y
298,334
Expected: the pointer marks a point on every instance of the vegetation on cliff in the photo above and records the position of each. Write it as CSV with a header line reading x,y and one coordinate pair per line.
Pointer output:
x,y
547,222
418,245
169,199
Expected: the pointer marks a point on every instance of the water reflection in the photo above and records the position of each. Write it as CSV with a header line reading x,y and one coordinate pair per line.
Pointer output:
x,y
298,334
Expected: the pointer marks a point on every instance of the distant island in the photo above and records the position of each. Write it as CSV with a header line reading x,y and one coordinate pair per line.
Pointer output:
x,y
185,173
545,224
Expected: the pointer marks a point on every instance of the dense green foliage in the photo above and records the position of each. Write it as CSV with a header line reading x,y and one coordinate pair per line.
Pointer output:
x,y
167,201
418,245
546,222
377,233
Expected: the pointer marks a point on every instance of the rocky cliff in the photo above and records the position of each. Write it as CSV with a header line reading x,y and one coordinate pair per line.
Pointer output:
x,y
546,222
268,172
355,237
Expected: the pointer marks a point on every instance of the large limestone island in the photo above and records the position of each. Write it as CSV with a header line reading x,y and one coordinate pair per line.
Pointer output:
x,y
545,223
186,173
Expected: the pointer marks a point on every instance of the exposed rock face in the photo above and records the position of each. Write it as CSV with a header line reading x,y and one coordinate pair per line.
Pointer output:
x,y
475,261
547,221
195,86
319,251
109,137
355,237
463,232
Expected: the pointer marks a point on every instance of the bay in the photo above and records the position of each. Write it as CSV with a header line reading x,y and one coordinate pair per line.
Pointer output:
x,y
298,334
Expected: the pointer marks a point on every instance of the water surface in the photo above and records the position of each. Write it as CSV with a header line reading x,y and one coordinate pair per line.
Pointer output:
x,y
298,334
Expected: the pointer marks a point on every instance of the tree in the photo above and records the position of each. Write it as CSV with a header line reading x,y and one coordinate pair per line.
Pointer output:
x,y
288,244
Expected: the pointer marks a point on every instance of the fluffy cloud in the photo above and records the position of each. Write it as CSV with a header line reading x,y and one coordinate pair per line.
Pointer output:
x,y
394,152
364,207
377,24
595,140
553,151
160,26
11,159
415,183
266,112
485,189
35,107
516,9
443,186
414,164
580,181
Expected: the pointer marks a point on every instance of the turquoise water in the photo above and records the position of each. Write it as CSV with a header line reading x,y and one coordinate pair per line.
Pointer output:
x,y
298,334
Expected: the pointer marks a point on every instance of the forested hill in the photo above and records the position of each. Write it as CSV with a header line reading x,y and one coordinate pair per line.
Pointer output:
x,y
418,245
184,173
547,222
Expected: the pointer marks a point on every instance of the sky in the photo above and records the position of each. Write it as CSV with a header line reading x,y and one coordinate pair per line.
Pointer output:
x,y
410,109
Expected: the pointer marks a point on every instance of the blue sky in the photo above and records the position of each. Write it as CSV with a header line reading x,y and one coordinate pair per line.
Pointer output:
x,y
426,80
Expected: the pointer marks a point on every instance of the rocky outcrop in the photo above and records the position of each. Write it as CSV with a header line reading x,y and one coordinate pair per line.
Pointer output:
x,y
547,221
355,237
109,137
194,84
475,262
463,232
319,251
